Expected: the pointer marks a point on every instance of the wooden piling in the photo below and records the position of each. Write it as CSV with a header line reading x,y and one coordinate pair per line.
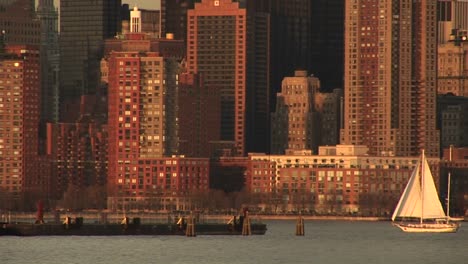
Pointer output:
x,y
190,230
246,228
300,226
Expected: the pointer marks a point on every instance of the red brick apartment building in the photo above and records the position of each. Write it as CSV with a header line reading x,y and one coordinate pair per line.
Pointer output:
x,y
78,152
19,119
144,168
342,179
217,49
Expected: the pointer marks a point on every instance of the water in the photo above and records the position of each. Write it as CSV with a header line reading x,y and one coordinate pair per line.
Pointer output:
x,y
324,242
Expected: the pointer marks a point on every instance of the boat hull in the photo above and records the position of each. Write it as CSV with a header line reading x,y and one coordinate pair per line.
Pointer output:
x,y
428,228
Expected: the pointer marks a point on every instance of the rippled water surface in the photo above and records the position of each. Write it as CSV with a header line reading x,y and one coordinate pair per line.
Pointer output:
x,y
324,242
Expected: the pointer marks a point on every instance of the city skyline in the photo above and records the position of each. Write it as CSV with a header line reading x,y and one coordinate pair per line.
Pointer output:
x,y
167,120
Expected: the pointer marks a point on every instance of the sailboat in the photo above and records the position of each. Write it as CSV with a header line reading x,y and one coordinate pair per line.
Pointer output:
x,y
420,201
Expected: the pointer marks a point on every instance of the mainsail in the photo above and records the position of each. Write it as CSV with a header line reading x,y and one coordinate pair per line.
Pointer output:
x,y
420,198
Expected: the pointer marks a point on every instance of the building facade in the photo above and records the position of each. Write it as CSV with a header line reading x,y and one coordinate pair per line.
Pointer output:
x,y
216,48
390,77
199,117
340,180
19,119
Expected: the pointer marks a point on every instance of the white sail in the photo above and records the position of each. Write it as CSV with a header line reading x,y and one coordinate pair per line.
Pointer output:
x,y
410,201
432,208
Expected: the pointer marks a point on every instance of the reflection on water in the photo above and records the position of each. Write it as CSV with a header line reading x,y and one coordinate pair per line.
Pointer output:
x,y
324,242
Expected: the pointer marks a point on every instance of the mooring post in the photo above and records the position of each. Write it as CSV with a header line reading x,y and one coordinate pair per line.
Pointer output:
x,y
246,229
300,226
190,230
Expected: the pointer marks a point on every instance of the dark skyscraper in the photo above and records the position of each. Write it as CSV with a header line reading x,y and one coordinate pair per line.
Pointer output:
x,y
327,42
278,44
84,25
176,17
48,17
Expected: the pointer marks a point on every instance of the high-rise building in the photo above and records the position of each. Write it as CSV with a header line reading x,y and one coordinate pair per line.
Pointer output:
x,y
19,119
48,17
216,48
279,42
390,77
327,42
142,77
295,124
84,25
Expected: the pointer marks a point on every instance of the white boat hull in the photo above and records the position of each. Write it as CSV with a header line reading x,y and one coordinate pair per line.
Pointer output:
x,y
428,228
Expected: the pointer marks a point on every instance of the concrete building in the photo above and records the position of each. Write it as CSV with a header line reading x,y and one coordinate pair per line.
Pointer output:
x,y
296,123
339,180
216,48
19,119
81,43
390,77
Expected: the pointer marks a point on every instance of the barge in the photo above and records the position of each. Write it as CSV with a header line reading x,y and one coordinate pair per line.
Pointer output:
x,y
127,228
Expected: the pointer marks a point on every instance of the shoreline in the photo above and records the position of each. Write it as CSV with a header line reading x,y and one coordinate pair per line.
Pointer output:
x,y
322,218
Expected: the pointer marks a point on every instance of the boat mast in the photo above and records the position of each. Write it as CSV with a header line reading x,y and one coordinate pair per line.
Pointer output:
x,y
422,164
448,183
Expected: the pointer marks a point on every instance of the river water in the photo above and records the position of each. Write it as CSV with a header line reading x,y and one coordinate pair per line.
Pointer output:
x,y
324,242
